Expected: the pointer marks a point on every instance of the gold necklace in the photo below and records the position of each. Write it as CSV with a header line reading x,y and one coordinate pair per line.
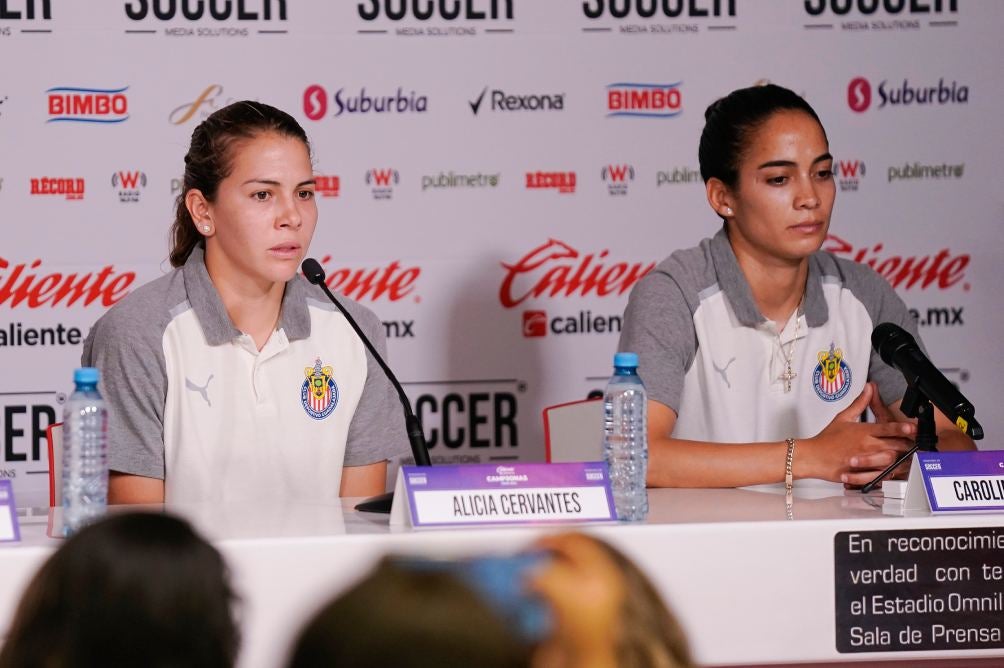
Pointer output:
x,y
789,374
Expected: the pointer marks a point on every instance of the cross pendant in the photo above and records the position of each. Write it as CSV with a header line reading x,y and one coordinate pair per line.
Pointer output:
x,y
787,377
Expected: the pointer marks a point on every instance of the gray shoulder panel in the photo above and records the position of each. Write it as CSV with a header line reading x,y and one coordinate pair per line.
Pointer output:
x,y
126,344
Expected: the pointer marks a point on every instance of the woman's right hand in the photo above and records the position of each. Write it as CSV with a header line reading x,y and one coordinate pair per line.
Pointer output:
x,y
850,451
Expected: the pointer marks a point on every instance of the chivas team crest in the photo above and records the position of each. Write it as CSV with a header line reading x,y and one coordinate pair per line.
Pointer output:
x,y
832,377
319,393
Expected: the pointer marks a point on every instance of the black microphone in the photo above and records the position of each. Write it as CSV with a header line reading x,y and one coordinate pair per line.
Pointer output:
x,y
378,504
899,349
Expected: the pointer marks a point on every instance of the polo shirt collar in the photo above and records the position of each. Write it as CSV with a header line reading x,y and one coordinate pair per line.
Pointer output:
x,y
737,290
294,318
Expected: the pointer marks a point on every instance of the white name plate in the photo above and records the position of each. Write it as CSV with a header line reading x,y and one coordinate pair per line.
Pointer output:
x,y
479,494
956,482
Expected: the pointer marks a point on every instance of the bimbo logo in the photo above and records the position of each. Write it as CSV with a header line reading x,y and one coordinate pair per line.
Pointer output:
x,y
644,100
22,285
87,105
617,178
328,186
556,269
68,188
941,270
392,282
563,182
129,185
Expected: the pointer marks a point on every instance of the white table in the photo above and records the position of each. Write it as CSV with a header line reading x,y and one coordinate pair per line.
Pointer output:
x,y
751,579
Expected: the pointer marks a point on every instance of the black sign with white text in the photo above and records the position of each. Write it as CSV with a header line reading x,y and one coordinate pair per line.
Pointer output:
x,y
919,590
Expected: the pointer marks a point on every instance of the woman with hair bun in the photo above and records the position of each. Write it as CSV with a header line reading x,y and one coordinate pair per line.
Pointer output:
x,y
232,378
755,345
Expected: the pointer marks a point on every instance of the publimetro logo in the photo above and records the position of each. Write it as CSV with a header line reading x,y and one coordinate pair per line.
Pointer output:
x,y
72,189
644,100
87,105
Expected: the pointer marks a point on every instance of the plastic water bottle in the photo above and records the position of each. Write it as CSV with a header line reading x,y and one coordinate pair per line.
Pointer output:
x,y
85,452
625,437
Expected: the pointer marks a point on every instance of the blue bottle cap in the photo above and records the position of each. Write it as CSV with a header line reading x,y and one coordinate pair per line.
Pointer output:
x,y
626,359
87,375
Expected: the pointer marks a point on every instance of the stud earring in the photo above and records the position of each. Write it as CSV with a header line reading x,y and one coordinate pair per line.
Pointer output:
x,y
728,211
206,228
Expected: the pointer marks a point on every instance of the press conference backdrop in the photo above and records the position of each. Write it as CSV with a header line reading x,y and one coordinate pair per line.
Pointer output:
x,y
493,175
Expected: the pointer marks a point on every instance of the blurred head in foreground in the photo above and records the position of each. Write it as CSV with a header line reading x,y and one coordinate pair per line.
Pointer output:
x,y
136,589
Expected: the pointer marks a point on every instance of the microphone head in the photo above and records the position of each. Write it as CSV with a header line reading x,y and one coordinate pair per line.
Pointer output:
x,y
887,338
313,271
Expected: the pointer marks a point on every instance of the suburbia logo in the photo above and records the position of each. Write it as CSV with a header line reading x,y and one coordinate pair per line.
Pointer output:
x,y
471,10
382,182
644,100
328,186
563,182
21,284
392,282
315,103
859,94
195,10
8,14
68,188
617,178
556,269
129,185
87,105
849,174
942,270
595,9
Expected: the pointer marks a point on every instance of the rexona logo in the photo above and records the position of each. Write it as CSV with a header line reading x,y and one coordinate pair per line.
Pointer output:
x,y
502,101
22,285
859,94
849,174
392,282
216,10
327,186
556,269
315,103
563,182
60,187
382,182
617,178
129,185
942,270
644,100
87,105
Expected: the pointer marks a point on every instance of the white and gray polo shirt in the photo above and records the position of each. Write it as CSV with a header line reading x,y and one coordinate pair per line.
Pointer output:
x,y
194,402
707,352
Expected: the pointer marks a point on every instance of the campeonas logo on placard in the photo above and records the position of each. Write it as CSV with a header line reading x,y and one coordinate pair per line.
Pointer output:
x,y
319,393
832,377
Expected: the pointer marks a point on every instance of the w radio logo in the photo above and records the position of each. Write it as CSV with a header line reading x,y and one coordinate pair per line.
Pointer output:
x,y
382,182
129,185
849,174
617,178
